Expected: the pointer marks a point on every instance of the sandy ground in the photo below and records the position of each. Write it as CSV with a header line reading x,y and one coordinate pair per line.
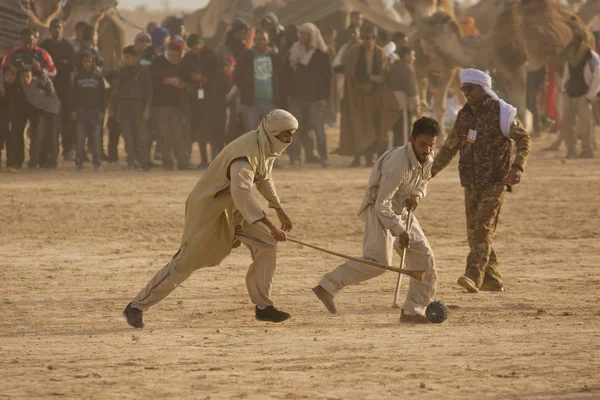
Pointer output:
x,y
76,246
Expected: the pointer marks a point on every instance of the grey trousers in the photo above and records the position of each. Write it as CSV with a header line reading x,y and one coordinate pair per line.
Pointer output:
x,y
253,115
171,133
378,245
574,107
135,132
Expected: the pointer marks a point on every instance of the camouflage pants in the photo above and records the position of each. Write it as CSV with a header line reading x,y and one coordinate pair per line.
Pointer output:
x,y
483,209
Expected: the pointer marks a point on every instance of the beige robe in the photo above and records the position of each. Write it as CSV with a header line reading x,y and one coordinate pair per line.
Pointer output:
x,y
369,110
220,214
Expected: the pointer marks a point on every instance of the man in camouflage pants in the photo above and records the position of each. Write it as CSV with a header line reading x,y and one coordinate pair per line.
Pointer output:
x,y
483,133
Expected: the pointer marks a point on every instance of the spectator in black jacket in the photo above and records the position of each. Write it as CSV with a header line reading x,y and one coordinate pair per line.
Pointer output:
x,y
134,97
207,88
62,53
88,96
310,78
259,75
13,118
167,105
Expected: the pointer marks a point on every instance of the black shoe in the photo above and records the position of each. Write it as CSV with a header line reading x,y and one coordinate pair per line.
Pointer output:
x,y
270,314
133,316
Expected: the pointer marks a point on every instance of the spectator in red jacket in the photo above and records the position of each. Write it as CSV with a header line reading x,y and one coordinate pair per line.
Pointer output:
x,y
28,55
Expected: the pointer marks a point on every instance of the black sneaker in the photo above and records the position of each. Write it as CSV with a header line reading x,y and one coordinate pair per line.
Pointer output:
x,y
133,316
270,314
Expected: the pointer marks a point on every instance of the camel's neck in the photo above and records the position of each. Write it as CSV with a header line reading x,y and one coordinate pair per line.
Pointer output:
x,y
466,53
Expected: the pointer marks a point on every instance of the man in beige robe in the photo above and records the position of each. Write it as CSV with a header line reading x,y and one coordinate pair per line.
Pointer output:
x,y
221,213
397,184
369,107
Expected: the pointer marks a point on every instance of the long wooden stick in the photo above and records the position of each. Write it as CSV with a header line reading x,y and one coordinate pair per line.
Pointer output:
x,y
399,281
418,275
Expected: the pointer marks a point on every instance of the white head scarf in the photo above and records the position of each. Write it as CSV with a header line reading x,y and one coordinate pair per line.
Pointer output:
x,y
269,147
299,53
390,50
477,77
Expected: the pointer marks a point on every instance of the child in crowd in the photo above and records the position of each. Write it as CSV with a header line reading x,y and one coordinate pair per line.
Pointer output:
x,y
134,96
44,109
88,96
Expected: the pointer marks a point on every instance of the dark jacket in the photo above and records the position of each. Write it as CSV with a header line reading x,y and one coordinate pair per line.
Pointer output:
x,y
134,84
165,95
486,162
13,105
88,91
243,77
312,82
62,53
211,69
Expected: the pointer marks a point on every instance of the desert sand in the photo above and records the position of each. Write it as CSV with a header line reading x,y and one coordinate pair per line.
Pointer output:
x,y
75,247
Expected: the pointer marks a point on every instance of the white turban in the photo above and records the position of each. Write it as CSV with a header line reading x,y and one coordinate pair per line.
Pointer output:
x,y
480,78
269,146
300,53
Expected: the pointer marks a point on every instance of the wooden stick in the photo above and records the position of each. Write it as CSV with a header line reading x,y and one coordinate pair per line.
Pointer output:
x,y
399,281
418,275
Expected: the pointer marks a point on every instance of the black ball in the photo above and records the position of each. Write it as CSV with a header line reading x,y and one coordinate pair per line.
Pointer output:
x,y
436,312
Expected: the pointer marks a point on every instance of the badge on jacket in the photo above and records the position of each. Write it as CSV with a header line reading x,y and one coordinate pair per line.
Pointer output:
x,y
471,136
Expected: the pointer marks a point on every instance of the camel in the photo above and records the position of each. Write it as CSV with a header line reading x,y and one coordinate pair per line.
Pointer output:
x,y
589,12
548,29
527,34
486,12
103,15
432,69
441,33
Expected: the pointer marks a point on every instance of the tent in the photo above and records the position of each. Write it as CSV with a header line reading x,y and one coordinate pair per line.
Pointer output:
x,y
335,13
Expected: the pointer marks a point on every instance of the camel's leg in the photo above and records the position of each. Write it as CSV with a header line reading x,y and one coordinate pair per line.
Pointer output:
x,y
516,88
423,84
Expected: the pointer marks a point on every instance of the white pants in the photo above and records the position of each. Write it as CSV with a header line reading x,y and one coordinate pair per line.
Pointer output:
x,y
378,245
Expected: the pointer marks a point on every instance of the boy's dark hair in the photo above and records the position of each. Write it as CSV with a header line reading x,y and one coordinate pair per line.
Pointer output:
x,y
56,22
404,51
130,51
9,68
88,33
29,31
193,40
24,70
86,54
426,126
353,13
